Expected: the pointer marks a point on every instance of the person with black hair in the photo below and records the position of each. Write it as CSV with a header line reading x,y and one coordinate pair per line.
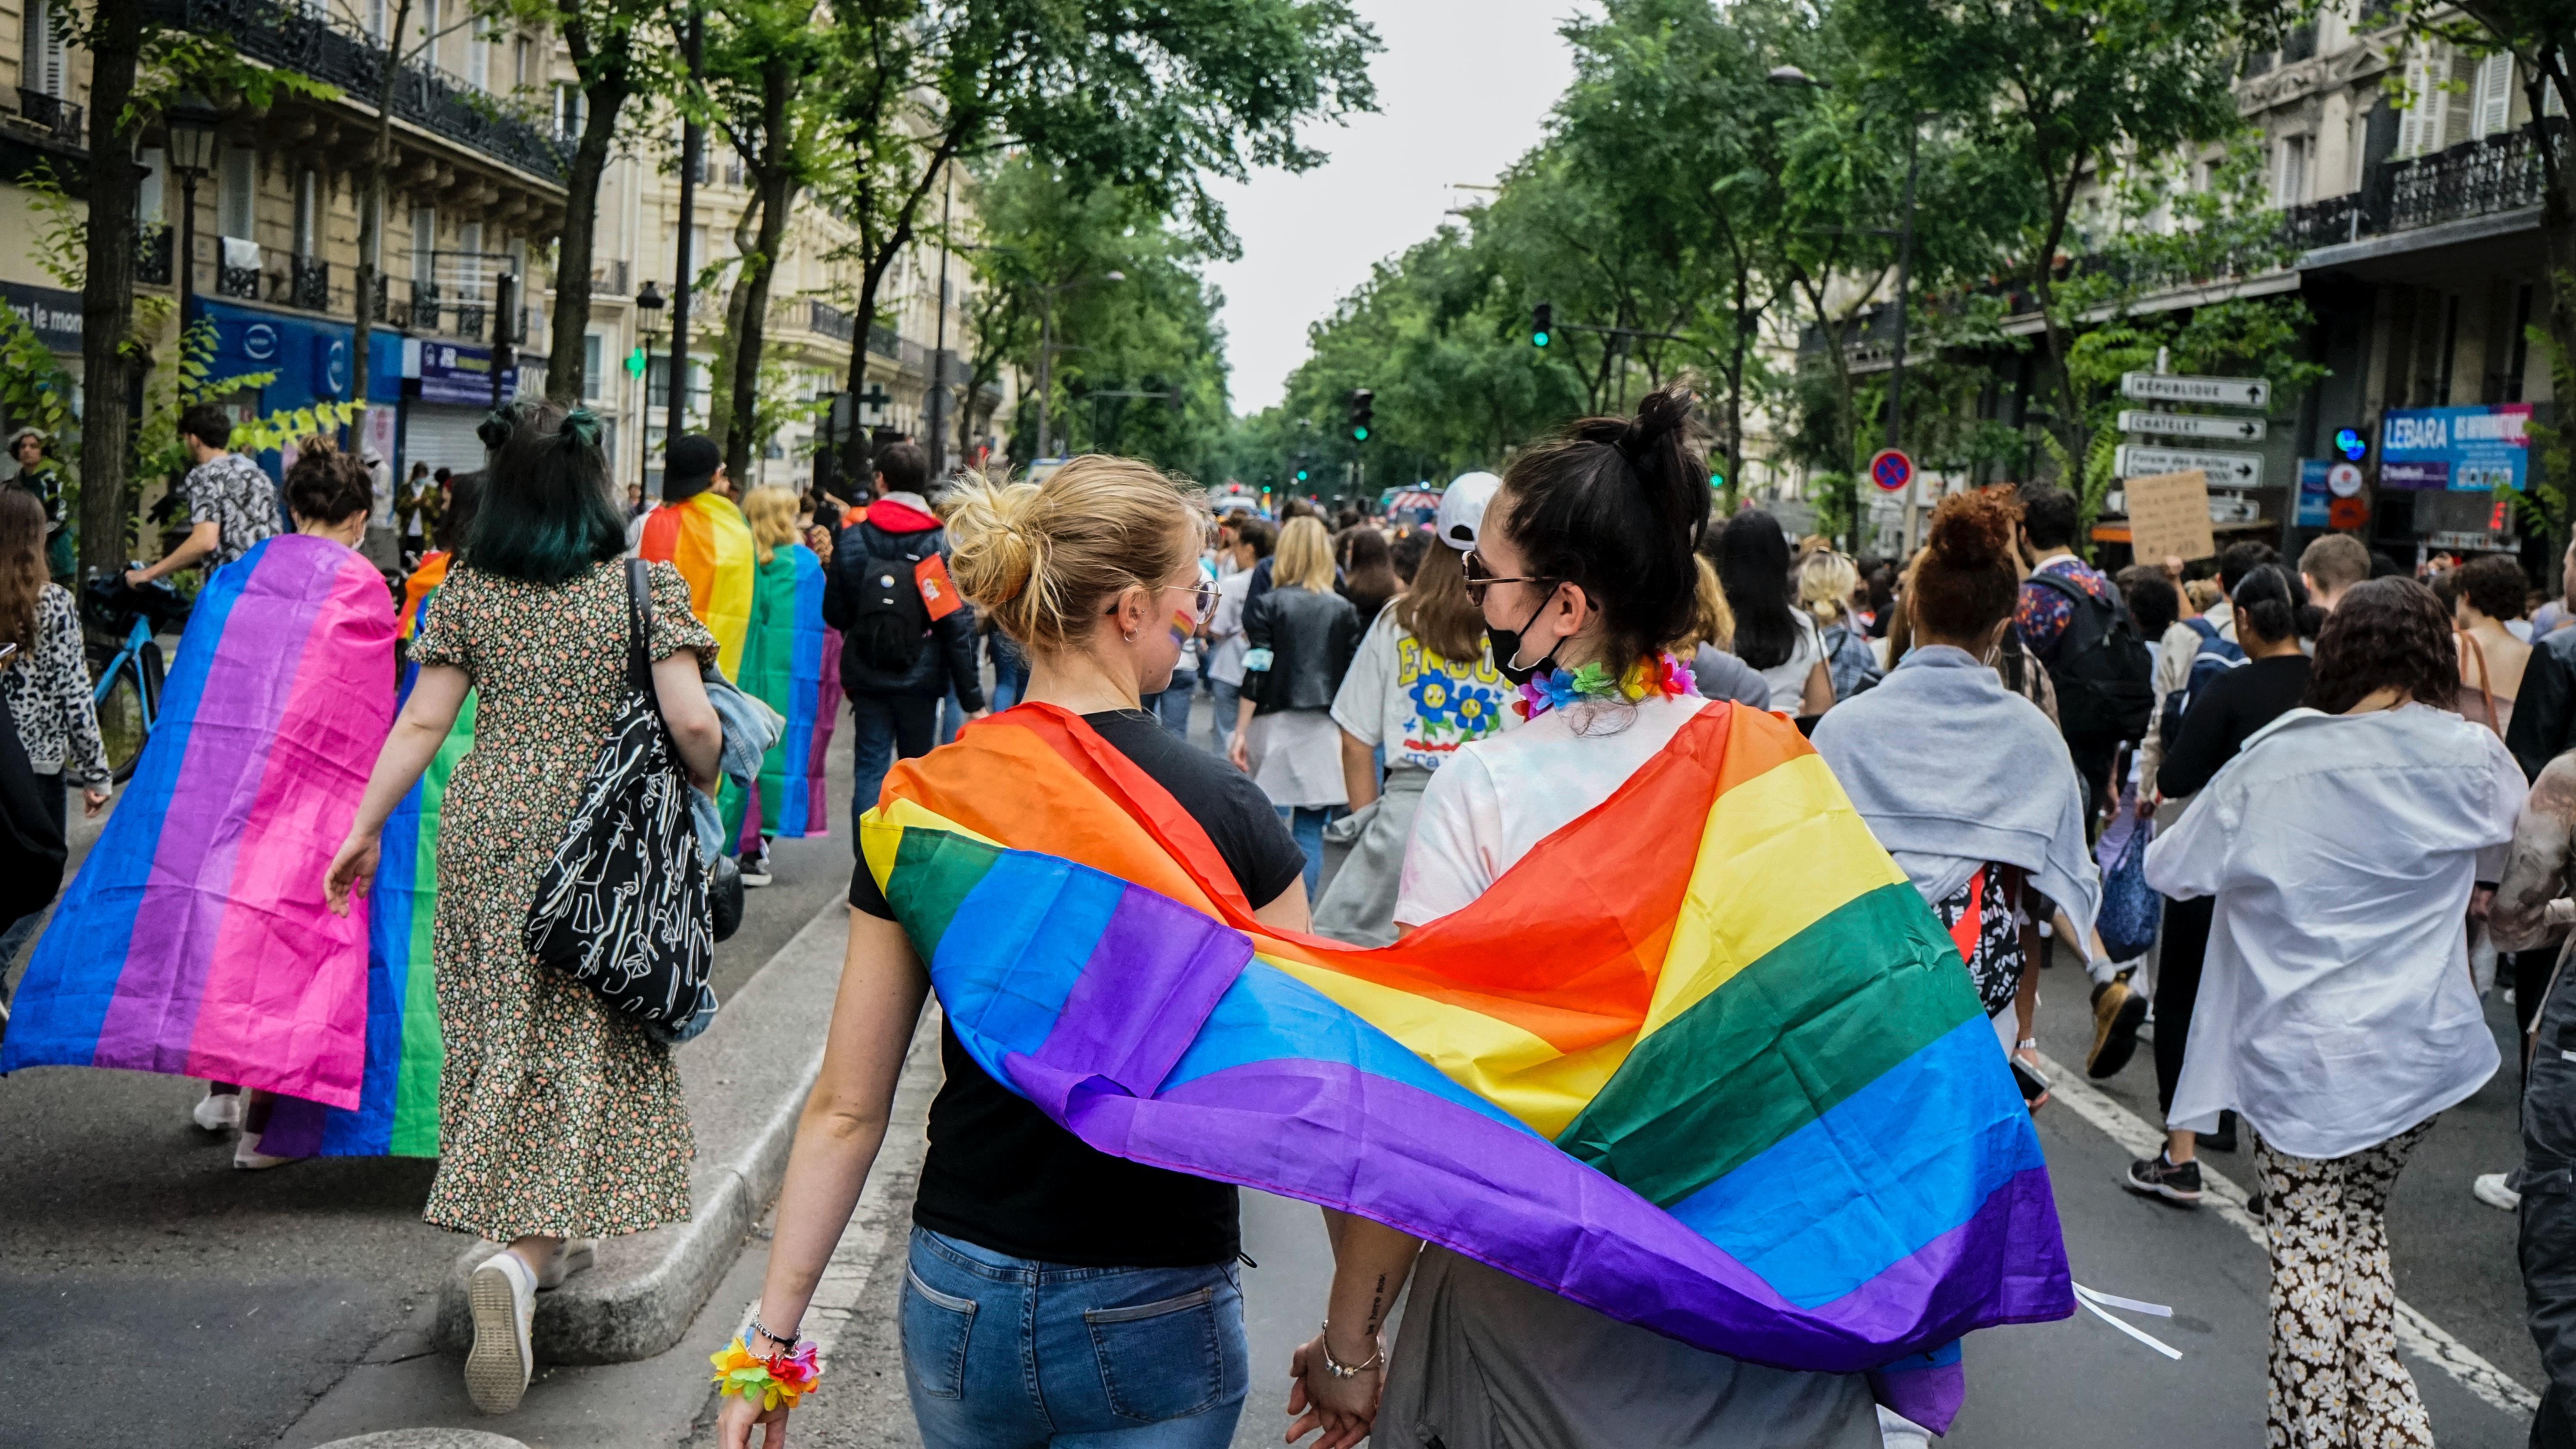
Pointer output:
x,y
907,641
558,1120
1582,569
2192,647
231,503
2341,847
39,475
2071,620
2489,593
1780,641
700,529
1254,541
2271,614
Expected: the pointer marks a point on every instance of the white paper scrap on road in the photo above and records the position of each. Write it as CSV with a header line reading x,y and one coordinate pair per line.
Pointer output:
x,y
2093,1303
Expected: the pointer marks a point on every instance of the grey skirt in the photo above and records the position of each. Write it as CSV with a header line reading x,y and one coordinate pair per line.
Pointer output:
x,y
1359,904
1486,1361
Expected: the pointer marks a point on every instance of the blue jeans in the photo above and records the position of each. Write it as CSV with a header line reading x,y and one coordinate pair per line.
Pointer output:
x,y
1008,685
1007,1353
883,729
1172,706
1307,823
1226,696
952,718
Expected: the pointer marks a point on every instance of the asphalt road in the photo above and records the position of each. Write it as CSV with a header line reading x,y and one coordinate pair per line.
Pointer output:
x,y
152,1296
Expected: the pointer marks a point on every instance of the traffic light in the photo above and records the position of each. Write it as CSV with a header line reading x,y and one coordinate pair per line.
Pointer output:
x,y
1301,475
1542,323
1363,407
2351,444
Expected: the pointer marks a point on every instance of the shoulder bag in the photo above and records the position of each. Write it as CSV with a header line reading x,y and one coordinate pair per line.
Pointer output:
x,y
623,905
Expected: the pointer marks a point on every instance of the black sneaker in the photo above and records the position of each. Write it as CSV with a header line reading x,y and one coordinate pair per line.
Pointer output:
x,y
2155,1177
2117,1012
755,870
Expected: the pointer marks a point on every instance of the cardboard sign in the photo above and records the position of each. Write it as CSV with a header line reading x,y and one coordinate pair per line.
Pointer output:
x,y
2169,516
938,595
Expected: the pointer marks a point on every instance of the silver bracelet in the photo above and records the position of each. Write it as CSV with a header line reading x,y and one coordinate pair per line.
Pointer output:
x,y
786,1342
1324,1341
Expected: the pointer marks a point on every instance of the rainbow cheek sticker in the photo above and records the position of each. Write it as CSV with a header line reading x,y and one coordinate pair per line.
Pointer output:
x,y
1184,624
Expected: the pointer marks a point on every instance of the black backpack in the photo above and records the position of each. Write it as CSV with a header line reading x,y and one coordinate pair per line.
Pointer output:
x,y
889,622
31,844
2104,676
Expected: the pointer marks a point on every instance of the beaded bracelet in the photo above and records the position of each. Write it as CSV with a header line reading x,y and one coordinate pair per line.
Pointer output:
x,y
781,1378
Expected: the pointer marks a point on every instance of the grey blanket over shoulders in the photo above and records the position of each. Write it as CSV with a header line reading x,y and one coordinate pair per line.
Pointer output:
x,y
1949,769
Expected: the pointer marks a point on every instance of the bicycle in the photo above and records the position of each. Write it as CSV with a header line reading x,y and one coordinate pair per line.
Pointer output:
x,y
127,676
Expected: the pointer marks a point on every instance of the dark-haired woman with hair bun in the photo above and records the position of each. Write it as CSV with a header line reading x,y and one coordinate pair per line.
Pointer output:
x,y
1583,570
1968,784
2341,845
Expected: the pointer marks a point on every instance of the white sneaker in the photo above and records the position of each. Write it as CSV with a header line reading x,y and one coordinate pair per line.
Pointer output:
x,y
217,1112
503,1296
574,1256
755,871
248,1158
2490,1189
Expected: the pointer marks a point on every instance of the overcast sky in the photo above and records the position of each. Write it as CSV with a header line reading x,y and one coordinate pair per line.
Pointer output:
x,y
1462,88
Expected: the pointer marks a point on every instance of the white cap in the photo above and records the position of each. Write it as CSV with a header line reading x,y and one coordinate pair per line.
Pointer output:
x,y
1462,507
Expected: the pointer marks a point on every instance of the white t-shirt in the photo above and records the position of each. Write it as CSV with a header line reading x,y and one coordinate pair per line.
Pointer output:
x,y
1505,793
1788,680
1225,628
1420,706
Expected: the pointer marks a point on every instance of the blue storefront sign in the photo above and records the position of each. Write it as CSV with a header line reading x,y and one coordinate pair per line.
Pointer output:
x,y
307,358
2460,450
459,374
2314,500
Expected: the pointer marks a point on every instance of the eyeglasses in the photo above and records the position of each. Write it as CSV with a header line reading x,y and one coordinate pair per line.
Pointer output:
x,y
1202,596
1473,565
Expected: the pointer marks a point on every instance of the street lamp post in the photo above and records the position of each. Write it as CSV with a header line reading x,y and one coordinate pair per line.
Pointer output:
x,y
648,311
1047,350
693,145
191,123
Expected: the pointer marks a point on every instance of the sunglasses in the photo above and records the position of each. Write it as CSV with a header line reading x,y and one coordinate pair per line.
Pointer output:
x,y
1479,579
1202,596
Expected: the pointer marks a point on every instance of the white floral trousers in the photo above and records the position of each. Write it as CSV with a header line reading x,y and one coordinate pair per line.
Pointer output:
x,y
2336,1381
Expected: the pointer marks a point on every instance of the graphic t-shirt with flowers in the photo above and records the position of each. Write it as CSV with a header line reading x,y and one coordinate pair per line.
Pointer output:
x,y
1416,704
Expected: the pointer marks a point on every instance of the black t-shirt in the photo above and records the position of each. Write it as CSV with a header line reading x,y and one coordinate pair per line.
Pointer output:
x,y
2225,715
999,1174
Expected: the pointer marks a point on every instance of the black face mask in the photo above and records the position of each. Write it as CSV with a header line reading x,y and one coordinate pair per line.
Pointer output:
x,y
1505,646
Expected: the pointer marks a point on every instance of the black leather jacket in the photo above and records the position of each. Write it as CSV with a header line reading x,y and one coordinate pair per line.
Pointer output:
x,y
2544,710
1311,638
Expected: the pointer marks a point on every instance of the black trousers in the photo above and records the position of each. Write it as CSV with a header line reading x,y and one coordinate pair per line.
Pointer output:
x,y
2186,941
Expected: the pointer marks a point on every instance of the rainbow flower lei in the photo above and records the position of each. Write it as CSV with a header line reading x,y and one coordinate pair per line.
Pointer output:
x,y
779,1379
1663,675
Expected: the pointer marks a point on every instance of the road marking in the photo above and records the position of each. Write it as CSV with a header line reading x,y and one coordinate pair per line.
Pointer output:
x,y
2416,1333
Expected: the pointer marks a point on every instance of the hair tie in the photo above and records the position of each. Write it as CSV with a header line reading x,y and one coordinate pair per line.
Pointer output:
x,y
580,429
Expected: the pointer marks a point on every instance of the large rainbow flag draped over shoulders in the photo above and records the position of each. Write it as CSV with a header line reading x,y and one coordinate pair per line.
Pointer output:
x,y
397,1111
194,939
792,663
1738,1091
705,536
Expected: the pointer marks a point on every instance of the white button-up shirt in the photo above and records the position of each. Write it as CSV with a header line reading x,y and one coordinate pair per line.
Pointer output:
x,y
2335,1007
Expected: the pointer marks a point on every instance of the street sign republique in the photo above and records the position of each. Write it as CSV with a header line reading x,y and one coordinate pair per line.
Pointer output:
x,y
2191,425
2226,392
2225,470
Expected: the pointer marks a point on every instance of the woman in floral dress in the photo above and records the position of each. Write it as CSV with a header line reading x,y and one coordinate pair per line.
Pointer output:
x,y
557,1120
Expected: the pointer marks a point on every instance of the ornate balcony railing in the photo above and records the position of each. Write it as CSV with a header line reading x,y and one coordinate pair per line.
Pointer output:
x,y
831,321
422,315
469,320
52,114
326,49
236,281
308,284
152,254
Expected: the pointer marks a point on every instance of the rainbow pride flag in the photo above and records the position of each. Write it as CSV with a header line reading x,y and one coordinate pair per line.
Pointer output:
x,y
706,537
1739,1092
195,940
397,1111
791,662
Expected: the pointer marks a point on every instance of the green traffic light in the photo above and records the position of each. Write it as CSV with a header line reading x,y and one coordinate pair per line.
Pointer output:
x,y
1359,435
1538,339
1301,475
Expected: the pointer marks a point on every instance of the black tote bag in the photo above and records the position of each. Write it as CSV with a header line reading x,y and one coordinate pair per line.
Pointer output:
x,y
623,904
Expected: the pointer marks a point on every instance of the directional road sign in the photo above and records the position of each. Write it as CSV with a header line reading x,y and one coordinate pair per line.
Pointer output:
x,y
1891,470
2226,392
2191,425
2225,470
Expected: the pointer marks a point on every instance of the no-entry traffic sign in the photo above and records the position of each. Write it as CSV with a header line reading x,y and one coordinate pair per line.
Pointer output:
x,y
1891,470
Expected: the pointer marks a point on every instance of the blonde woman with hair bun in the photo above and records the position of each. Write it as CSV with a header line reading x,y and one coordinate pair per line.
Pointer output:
x,y
1826,583
1300,637
786,595
1075,1269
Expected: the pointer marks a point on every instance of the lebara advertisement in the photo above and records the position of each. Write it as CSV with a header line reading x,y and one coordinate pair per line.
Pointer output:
x,y
2461,450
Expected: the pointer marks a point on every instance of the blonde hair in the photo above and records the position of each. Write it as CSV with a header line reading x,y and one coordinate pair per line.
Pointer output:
x,y
1825,584
1713,620
1304,559
1040,558
771,511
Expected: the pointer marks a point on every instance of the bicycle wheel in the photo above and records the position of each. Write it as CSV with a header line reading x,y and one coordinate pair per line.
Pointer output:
x,y
121,723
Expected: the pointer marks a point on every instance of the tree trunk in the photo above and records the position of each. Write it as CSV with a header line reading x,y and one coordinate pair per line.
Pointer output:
x,y
607,86
107,289
855,453
746,240
371,219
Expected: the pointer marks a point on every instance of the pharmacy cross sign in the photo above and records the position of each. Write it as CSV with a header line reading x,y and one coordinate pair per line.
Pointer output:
x,y
876,398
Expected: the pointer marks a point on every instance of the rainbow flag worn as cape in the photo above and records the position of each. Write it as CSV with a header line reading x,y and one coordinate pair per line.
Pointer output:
x,y
1739,1092
705,535
792,663
397,1111
195,940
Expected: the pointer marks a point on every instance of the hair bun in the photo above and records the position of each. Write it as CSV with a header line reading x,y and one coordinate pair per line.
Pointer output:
x,y
1663,413
1974,530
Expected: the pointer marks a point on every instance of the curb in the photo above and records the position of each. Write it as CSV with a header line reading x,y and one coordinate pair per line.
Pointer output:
x,y
427,1439
745,1080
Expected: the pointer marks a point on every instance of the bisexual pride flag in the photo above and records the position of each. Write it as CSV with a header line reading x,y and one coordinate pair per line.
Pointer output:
x,y
1703,1060
195,940
792,663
